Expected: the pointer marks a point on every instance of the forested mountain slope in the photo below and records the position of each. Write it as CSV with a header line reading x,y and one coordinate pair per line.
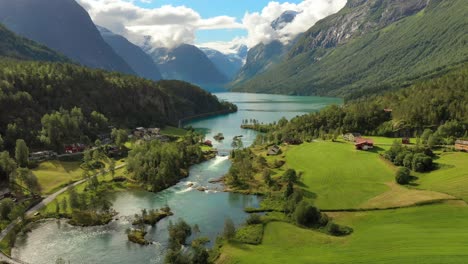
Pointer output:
x,y
371,46
14,46
29,90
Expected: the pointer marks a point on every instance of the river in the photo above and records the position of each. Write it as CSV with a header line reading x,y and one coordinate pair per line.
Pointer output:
x,y
52,239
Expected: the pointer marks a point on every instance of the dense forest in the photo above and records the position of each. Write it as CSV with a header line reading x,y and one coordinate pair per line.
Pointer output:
x,y
31,90
158,166
439,104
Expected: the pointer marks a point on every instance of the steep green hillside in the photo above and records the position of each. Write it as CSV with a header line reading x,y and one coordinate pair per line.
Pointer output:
x,y
387,44
29,90
14,46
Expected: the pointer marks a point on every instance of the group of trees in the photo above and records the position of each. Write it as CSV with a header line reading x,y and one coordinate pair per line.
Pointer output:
x,y
440,104
48,101
178,235
160,165
68,127
418,158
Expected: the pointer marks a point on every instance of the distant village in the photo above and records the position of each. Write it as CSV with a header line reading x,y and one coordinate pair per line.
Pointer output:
x,y
139,133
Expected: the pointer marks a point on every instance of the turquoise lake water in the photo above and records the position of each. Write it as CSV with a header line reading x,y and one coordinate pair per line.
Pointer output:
x,y
52,239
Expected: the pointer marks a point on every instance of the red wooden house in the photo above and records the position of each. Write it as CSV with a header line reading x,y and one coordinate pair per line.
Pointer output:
x,y
364,143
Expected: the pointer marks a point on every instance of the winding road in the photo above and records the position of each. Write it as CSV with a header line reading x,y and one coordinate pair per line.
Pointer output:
x,y
47,200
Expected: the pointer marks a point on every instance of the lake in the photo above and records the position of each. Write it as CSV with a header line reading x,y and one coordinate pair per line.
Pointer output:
x,y
52,239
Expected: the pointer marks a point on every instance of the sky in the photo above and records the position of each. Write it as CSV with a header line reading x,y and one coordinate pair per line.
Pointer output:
x,y
218,24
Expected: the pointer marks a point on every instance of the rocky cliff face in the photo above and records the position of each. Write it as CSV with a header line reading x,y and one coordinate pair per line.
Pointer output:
x,y
357,18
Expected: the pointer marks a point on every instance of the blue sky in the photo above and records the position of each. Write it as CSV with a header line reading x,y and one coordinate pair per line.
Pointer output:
x,y
212,8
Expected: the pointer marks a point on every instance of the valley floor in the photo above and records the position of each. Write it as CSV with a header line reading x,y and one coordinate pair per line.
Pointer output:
x,y
428,226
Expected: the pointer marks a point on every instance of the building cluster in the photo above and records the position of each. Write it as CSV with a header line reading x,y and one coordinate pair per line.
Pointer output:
x,y
149,134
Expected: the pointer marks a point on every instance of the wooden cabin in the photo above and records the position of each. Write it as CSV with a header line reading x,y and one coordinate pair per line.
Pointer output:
x,y
461,145
364,144
274,151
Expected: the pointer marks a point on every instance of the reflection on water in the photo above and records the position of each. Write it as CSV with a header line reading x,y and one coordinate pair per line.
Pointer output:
x,y
50,240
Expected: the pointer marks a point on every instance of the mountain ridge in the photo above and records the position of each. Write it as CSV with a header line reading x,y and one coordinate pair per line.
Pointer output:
x,y
393,54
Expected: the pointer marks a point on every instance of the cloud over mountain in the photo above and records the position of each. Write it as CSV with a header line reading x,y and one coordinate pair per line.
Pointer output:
x,y
170,26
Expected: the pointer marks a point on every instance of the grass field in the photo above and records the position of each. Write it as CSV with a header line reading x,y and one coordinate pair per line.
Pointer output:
x,y
53,174
451,178
337,176
427,234
173,131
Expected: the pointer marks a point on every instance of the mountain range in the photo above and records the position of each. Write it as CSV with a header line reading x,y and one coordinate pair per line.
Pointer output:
x,y
64,26
188,63
369,47
134,56
264,55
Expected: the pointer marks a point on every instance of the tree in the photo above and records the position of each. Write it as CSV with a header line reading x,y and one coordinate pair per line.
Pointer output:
x,y
267,177
22,153
112,168
290,176
57,207
74,199
306,214
7,167
6,205
178,234
403,176
1,142
229,229
64,204
120,136
289,190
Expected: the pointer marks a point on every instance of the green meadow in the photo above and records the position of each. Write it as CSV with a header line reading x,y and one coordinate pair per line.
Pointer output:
x,y
426,234
336,176
54,174
451,177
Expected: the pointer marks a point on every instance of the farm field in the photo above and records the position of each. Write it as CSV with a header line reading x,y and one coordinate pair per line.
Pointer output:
x,y
337,176
53,174
451,177
425,234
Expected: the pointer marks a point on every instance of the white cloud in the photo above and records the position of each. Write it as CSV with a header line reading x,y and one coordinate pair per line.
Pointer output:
x,y
170,25
258,24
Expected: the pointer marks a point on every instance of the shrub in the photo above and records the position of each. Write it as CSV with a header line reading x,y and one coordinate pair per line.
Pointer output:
x,y
306,214
290,176
254,219
337,230
229,229
402,176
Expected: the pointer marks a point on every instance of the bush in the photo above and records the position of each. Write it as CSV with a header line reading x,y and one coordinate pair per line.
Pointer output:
x,y
337,230
229,229
403,176
290,176
251,234
254,219
422,162
306,214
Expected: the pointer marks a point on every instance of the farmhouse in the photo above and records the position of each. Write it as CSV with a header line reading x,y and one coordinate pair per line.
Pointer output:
x,y
364,144
351,136
406,141
461,145
274,150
